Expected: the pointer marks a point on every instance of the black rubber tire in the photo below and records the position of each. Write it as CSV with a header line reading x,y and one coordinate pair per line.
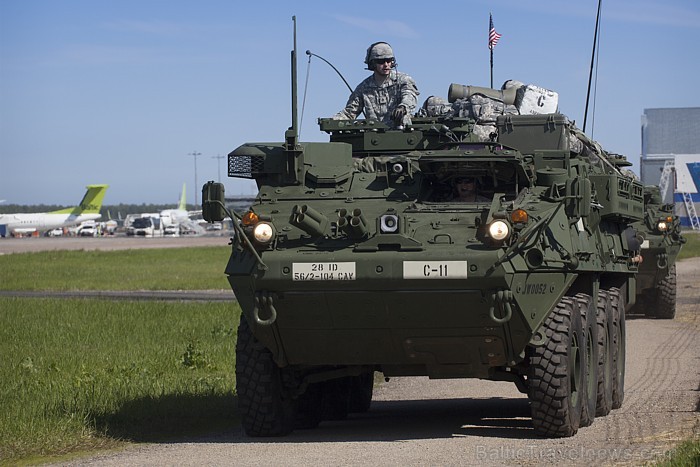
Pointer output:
x,y
590,337
666,296
645,304
335,401
361,388
605,355
309,410
556,373
617,300
266,407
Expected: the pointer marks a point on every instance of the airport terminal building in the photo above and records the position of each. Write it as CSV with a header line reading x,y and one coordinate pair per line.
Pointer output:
x,y
671,157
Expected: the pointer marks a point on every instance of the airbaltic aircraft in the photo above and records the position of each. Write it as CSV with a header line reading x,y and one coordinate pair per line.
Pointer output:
x,y
176,216
88,209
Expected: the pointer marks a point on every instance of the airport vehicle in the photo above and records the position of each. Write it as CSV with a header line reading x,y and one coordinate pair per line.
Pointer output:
x,y
146,226
355,259
87,229
57,232
27,223
172,231
656,279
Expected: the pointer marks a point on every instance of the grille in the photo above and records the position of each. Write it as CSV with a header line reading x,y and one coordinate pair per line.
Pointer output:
x,y
245,166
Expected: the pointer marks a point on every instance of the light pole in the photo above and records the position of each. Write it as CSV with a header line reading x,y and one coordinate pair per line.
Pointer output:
x,y
218,164
195,154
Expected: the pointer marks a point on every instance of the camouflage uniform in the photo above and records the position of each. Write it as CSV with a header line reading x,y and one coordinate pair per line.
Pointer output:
x,y
378,101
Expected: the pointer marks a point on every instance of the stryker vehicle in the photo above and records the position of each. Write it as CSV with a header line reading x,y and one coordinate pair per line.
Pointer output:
x,y
656,279
354,259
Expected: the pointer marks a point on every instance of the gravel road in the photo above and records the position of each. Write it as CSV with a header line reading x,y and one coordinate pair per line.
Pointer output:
x,y
416,421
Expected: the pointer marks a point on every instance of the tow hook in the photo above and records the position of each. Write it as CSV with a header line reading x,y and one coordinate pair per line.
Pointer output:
x,y
264,300
501,299
662,260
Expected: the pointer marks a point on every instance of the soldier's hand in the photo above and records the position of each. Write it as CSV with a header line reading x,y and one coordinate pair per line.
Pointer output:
x,y
399,113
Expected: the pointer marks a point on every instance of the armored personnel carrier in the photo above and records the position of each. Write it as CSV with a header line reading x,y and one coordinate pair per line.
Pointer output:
x,y
356,258
662,241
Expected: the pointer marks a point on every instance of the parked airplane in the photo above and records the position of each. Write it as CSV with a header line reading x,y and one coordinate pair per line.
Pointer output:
x,y
88,209
176,216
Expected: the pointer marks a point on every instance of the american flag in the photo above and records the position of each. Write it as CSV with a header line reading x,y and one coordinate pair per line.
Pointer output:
x,y
493,35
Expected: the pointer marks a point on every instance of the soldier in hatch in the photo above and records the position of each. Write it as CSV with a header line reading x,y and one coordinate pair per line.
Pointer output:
x,y
465,190
387,96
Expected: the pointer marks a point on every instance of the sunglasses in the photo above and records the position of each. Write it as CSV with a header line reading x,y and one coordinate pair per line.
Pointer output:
x,y
384,60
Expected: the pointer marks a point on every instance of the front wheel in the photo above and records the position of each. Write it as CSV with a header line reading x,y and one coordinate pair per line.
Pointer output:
x,y
556,373
266,406
666,296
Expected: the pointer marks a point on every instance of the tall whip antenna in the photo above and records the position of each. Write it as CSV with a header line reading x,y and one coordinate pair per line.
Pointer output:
x,y
292,134
593,55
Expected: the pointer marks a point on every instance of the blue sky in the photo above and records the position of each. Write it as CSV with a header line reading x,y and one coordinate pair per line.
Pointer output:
x,y
121,92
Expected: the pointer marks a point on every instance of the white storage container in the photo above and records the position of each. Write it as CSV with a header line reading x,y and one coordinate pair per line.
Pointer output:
x,y
534,100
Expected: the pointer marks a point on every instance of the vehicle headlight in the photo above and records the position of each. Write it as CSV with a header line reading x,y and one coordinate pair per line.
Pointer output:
x,y
499,230
389,223
263,233
662,226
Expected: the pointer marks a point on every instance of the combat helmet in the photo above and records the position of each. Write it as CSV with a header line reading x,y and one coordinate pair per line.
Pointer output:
x,y
378,51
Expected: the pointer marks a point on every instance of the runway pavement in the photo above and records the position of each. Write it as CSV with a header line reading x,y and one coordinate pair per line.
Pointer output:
x,y
117,242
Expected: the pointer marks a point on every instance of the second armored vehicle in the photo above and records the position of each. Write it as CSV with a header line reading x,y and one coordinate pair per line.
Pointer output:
x,y
662,241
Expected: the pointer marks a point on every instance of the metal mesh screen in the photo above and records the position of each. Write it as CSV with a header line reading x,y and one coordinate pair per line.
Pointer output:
x,y
245,166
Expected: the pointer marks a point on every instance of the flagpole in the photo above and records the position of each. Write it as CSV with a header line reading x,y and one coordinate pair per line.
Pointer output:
x,y
493,40
490,46
491,68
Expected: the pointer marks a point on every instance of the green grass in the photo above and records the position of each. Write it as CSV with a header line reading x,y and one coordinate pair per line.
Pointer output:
x,y
78,375
685,454
691,249
157,269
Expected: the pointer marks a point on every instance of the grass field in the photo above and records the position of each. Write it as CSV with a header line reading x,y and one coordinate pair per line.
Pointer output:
x,y
691,249
158,269
83,374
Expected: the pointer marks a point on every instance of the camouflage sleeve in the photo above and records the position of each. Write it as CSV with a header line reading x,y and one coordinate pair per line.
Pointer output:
x,y
409,93
354,106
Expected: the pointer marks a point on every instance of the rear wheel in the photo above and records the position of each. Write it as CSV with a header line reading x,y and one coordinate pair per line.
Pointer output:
x,y
361,388
556,373
617,300
266,406
605,354
644,304
590,354
335,399
309,411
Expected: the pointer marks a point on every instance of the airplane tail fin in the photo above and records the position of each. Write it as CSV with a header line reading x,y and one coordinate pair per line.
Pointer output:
x,y
183,201
91,203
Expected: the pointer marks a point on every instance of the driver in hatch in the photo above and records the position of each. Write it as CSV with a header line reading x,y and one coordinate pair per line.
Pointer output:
x,y
466,190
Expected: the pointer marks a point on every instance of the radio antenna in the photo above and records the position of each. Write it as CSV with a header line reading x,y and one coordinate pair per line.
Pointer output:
x,y
593,56
311,54
292,134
